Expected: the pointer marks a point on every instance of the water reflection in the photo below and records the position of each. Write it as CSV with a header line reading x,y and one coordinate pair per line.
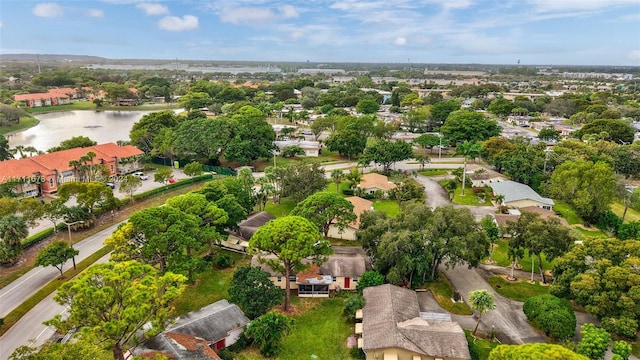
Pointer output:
x,y
99,126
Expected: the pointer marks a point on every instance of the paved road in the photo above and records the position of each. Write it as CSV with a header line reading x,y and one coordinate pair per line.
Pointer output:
x,y
21,289
29,330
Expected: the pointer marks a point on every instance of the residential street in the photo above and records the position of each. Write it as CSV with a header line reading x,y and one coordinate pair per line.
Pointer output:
x,y
21,289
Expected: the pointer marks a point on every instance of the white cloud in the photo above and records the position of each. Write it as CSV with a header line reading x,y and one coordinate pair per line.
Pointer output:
x,y
174,23
0,24
452,4
153,9
47,10
95,13
288,11
400,41
573,5
247,16
634,55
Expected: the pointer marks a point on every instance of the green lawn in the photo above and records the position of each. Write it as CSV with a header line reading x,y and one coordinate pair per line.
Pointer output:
x,y
442,291
88,105
389,207
25,123
632,215
319,332
282,209
481,347
566,211
209,286
517,290
500,257
469,197
433,172
584,233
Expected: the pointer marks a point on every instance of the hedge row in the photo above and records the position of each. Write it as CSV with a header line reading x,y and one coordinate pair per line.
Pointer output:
x,y
178,184
36,238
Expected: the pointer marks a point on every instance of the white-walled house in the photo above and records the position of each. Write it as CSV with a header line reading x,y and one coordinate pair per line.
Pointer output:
x,y
360,205
520,195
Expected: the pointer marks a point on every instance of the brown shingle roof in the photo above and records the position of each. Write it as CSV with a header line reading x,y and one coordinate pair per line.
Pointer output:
x,y
391,319
191,343
373,180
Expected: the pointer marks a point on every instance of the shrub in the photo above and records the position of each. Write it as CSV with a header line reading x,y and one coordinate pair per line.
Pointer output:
x,y
348,192
222,261
369,278
32,240
478,190
623,326
352,304
357,353
551,315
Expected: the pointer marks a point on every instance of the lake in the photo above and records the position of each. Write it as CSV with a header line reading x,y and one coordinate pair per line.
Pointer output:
x,y
99,126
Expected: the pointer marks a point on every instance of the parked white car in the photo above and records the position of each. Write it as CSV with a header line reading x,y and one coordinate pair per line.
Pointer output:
x,y
140,175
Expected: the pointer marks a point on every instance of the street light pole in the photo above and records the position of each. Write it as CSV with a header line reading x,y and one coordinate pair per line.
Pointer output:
x,y
73,259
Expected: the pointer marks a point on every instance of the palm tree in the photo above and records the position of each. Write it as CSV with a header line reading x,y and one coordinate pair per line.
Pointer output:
x,y
354,177
470,150
337,175
13,229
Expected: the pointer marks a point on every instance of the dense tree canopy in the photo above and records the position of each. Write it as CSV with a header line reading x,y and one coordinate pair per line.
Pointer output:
x,y
408,249
56,254
201,139
112,302
252,137
534,351
325,209
464,125
253,291
618,131
602,275
386,153
589,187
143,132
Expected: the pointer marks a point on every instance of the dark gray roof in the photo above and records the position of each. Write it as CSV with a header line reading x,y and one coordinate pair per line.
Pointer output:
x,y
514,191
391,319
211,323
251,224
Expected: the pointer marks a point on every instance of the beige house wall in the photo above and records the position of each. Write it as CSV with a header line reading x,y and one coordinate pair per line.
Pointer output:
x,y
348,233
527,202
338,283
401,354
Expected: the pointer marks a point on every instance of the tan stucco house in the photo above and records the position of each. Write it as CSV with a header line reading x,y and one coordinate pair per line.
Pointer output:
x,y
392,329
371,182
360,205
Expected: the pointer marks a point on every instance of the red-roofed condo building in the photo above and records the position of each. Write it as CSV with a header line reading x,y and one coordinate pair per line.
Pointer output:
x,y
42,174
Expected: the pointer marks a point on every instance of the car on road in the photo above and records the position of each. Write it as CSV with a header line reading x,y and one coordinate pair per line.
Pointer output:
x,y
140,175
172,180
111,185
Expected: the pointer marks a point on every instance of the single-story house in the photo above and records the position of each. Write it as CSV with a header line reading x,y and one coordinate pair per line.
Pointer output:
x,y
392,328
519,195
214,326
485,178
502,220
311,148
42,174
58,96
360,205
340,272
239,240
371,182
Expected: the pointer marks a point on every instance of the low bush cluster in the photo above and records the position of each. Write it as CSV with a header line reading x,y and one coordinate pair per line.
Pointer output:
x,y
551,315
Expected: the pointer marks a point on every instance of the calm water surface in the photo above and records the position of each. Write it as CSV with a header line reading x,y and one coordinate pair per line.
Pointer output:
x,y
99,126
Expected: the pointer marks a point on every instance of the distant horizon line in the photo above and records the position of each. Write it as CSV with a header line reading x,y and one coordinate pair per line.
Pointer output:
x,y
304,61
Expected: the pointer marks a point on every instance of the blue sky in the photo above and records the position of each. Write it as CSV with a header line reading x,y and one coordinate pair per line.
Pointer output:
x,y
587,32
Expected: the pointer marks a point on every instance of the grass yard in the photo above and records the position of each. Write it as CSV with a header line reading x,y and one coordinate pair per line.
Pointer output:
x,y
210,286
566,211
480,346
319,332
89,105
516,290
282,209
632,214
389,207
24,123
500,257
469,197
442,291
434,172
584,233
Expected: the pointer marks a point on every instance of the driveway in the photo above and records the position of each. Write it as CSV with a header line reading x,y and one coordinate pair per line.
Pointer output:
x,y
507,318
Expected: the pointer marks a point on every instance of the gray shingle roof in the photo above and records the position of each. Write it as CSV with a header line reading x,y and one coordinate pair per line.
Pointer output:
x,y
391,319
251,224
211,322
514,191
